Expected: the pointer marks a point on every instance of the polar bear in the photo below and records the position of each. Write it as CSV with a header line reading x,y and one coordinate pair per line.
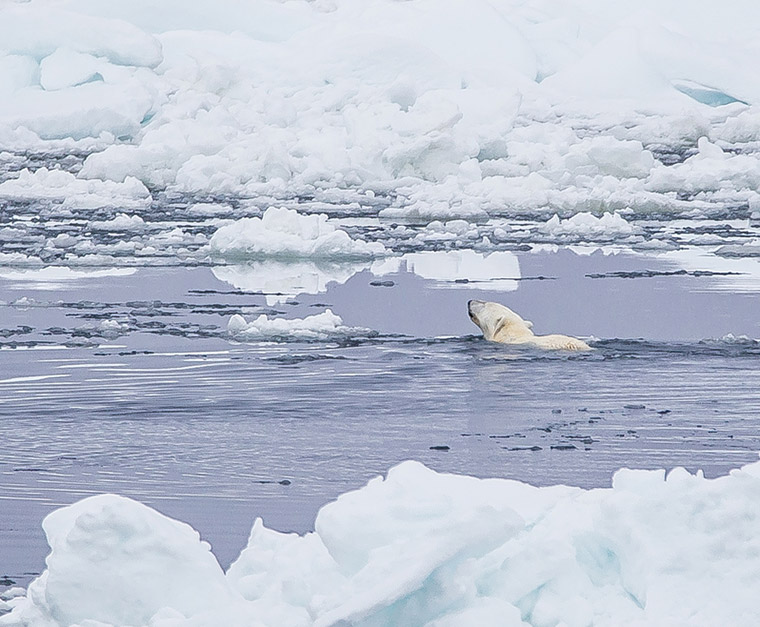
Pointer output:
x,y
501,324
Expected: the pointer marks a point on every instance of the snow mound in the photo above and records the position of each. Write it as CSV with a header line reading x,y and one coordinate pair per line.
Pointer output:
x,y
584,226
283,233
423,548
321,326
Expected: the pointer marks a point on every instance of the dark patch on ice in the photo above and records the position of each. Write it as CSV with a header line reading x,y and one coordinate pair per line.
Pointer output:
x,y
441,447
382,283
634,406
564,447
7,581
523,448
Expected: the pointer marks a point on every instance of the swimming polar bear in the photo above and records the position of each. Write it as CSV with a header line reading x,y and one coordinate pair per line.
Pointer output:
x,y
501,324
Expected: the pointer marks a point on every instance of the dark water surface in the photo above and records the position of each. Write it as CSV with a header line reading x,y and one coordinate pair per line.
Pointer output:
x,y
216,432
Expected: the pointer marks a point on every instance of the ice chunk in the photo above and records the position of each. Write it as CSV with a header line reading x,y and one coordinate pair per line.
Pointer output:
x,y
38,30
121,222
283,233
58,185
16,72
711,169
86,110
317,327
423,548
117,561
586,226
616,69
67,68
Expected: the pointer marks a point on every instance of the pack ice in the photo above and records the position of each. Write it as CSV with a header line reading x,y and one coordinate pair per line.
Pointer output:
x,y
422,548
455,108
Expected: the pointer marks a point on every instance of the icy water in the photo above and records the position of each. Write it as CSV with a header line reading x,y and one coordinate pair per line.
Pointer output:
x,y
172,411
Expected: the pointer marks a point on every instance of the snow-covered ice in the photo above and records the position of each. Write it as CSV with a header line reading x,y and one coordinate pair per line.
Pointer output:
x,y
422,548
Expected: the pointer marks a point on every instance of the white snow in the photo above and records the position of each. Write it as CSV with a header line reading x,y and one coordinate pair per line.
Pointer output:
x,y
283,233
422,548
325,325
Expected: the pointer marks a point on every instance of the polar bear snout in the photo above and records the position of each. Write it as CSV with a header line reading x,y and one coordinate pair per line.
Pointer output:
x,y
474,307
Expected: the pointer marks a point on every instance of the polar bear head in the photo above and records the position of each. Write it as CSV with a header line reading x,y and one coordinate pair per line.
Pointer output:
x,y
498,323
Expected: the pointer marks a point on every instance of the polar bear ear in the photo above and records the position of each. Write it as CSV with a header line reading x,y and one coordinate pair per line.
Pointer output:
x,y
528,324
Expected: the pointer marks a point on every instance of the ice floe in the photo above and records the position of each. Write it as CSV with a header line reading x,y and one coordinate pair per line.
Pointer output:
x,y
423,548
325,325
282,233
586,226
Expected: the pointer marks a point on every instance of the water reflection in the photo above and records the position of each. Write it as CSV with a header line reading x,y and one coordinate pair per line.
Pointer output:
x,y
281,281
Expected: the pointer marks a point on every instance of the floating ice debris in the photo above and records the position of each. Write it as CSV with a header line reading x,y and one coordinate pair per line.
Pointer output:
x,y
121,222
111,329
586,226
749,248
317,327
423,548
283,233
710,170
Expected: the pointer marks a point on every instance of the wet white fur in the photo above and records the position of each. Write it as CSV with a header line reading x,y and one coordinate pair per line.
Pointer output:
x,y
501,324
